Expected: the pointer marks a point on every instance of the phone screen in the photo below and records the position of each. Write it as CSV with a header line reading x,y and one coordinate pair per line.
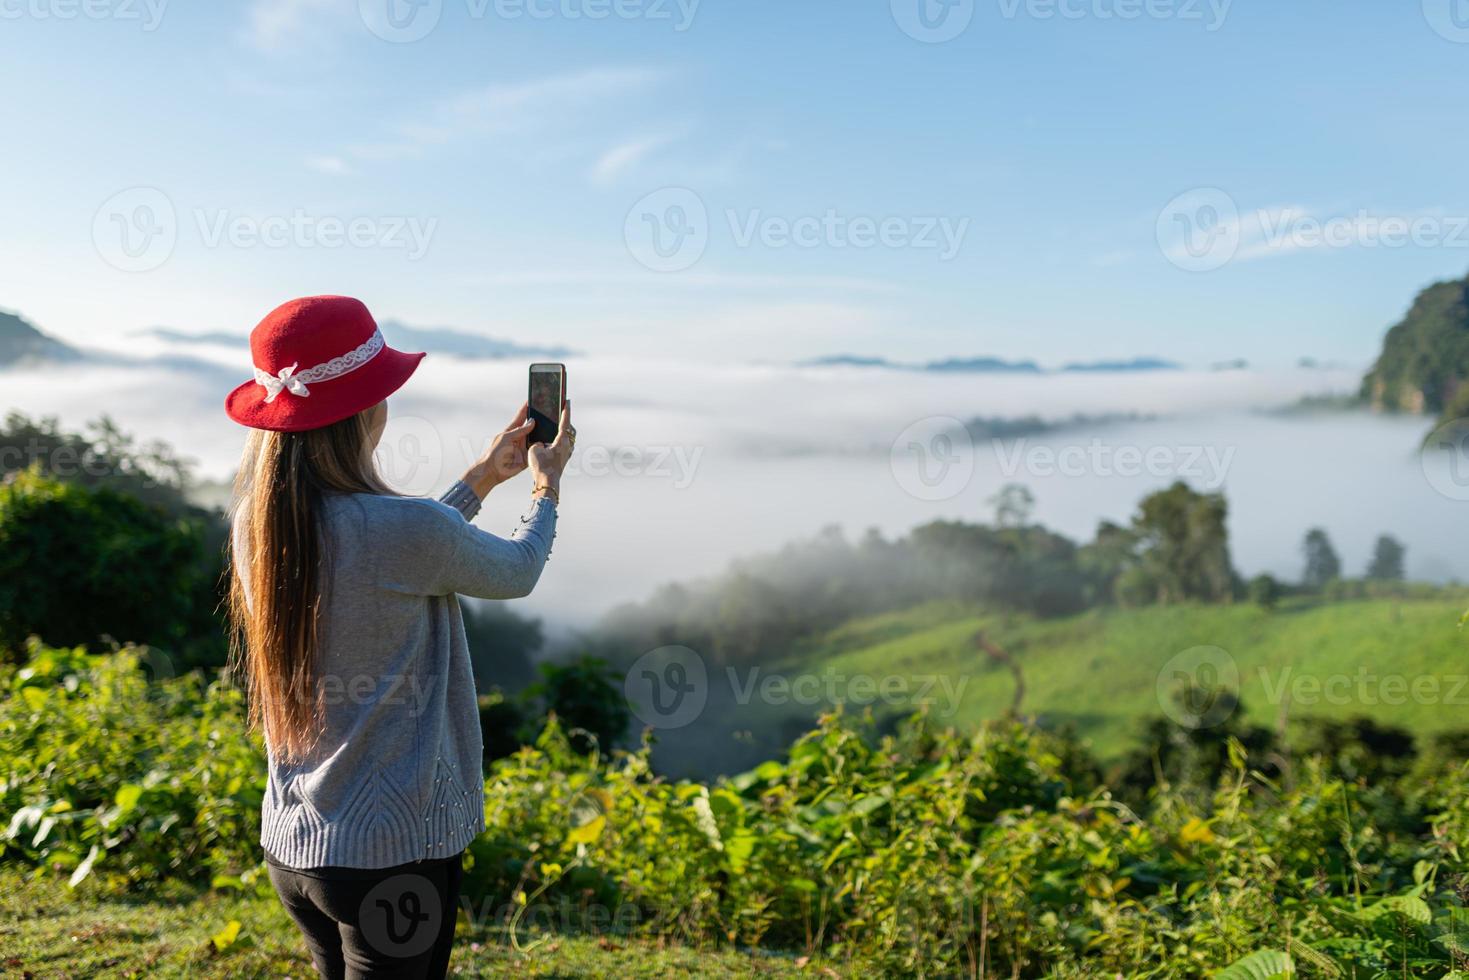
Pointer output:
x,y
547,395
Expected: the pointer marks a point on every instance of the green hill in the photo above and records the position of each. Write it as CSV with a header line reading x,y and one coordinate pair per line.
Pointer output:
x,y
1425,358
21,343
1398,661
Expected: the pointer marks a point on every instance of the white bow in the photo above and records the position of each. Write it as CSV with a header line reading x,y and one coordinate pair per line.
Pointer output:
x,y
282,382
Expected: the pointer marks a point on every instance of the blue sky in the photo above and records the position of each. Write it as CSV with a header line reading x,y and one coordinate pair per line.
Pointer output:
x,y
516,147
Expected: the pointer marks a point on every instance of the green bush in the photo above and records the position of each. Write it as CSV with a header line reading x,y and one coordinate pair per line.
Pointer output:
x,y
923,852
78,565
104,768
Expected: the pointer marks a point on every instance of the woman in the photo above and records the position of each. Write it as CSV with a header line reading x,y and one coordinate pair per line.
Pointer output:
x,y
349,636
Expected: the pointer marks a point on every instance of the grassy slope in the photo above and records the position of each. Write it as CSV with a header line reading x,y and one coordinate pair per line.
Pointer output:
x,y
1099,671
46,930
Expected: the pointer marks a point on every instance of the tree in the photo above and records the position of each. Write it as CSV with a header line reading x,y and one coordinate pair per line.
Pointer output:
x,y
1322,563
1013,505
1183,549
1387,560
78,565
1264,591
586,699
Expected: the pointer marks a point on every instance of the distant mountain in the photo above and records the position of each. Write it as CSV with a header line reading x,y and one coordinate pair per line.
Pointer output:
x,y
1237,364
435,340
850,360
1425,357
1136,364
21,343
993,365
986,365
444,340
180,337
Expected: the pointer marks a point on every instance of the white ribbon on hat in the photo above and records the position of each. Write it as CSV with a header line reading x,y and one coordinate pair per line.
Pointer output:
x,y
289,379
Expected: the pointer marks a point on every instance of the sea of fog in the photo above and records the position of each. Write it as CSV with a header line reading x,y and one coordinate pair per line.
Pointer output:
x,y
683,466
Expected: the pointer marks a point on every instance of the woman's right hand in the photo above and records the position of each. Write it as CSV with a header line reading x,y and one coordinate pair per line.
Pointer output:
x,y
548,461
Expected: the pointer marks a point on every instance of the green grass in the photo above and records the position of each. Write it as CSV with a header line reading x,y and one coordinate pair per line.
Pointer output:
x,y
48,930
1098,672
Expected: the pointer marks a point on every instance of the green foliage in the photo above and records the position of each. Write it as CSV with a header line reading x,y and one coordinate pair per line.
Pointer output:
x,y
1183,549
1265,591
105,769
100,456
502,645
1425,357
1387,560
1322,564
582,694
78,565
923,852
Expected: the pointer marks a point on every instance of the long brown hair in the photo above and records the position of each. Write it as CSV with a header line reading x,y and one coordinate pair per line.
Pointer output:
x,y
277,568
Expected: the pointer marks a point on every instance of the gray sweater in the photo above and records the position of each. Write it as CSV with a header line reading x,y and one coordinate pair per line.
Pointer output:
x,y
396,777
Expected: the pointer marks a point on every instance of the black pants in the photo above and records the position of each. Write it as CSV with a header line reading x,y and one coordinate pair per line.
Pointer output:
x,y
385,922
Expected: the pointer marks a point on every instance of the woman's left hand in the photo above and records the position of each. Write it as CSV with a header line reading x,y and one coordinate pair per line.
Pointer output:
x,y
505,457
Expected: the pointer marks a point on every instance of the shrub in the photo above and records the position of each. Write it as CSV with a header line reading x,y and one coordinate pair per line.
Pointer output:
x,y
78,565
104,768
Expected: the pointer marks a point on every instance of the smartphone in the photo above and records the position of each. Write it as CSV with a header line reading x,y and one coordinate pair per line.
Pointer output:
x,y
547,396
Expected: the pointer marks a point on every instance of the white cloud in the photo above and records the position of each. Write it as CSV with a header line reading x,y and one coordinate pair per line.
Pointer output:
x,y
505,108
331,165
276,25
624,156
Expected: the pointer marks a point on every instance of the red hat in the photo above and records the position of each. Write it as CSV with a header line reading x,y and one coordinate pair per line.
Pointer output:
x,y
318,360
